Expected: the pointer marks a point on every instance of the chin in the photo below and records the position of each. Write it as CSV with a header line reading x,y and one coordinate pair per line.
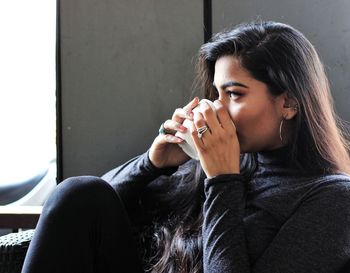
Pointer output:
x,y
244,151
245,148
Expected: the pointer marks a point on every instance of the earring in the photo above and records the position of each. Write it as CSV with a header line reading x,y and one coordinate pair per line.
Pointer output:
x,y
281,124
295,107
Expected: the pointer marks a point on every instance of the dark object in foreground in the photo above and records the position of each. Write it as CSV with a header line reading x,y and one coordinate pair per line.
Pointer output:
x,y
13,248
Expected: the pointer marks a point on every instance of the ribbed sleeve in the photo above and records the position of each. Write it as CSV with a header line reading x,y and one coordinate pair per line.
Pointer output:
x,y
224,244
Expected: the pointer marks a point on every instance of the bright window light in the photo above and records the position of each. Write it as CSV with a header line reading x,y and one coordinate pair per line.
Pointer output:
x,y
27,87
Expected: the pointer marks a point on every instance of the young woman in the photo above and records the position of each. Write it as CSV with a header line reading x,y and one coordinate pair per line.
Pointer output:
x,y
270,192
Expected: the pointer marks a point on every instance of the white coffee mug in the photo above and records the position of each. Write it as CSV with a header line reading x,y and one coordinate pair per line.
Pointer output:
x,y
188,144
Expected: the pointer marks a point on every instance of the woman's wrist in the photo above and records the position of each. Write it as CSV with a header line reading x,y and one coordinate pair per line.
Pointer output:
x,y
211,171
156,168
223,178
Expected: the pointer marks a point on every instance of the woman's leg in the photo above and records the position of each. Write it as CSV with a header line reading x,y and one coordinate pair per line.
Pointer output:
x,y
83,228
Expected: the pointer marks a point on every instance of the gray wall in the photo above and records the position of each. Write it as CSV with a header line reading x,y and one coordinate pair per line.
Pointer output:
x,y
126,65
325,23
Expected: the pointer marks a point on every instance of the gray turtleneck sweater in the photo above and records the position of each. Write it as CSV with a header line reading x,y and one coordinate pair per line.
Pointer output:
x,y
277,222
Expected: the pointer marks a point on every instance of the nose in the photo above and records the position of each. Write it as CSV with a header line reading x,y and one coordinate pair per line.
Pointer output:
x,y
222,97
223,101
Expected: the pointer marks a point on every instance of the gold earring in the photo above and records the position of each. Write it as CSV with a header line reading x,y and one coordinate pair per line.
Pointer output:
x,y
281,124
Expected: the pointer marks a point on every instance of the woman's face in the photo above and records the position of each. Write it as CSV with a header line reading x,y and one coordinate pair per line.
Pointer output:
x,y
254,111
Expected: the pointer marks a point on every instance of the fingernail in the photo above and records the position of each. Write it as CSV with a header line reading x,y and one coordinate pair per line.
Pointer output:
x,y
217,102
171,138
189,115
204,106
195,99
176,139
182,128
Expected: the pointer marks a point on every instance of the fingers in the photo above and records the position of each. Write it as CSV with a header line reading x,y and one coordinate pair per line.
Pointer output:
x,y
173,126
209,116
168,136
180,114
192,104
218,122
170,127
224,117
169,139
197,141
199,122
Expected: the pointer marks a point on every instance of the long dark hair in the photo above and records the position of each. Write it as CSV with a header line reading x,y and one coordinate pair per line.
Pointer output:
x,y
282,58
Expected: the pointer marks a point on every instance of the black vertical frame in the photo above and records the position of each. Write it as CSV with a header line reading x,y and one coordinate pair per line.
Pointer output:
x,y
207,19
58,95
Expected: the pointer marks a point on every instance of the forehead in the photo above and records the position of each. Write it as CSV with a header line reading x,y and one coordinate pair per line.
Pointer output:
x,y
228,68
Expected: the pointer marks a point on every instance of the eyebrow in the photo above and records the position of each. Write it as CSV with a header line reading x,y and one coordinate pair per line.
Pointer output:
x,y
231,83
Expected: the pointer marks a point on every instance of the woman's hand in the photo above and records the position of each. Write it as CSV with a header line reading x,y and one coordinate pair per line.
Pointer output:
x,y
165,151
218,148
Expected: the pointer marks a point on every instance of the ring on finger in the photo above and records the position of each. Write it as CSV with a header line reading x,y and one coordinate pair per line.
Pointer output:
x,y
164,131
201,130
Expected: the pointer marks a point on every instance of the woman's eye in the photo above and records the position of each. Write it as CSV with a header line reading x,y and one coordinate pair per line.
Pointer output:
x,y
233,94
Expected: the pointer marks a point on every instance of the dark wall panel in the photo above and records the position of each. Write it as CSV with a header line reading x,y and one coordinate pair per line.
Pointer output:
x,y
126,65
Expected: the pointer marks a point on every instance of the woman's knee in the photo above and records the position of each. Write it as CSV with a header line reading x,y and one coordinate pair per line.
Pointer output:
x,y
82,193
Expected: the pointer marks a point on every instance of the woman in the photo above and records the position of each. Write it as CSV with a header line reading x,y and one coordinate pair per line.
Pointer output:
x,y
270,192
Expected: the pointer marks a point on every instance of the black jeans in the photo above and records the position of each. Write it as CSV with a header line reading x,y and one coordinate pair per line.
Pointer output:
x,y
83,228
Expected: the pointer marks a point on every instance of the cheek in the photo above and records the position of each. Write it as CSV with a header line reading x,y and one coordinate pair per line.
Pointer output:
x,y
250,121
243,117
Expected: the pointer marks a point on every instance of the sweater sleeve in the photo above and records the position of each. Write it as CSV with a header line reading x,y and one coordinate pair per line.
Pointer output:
x,y
316,237
224,246
130,179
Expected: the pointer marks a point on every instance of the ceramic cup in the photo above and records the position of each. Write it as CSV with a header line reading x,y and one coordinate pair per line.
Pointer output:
x,y
188,144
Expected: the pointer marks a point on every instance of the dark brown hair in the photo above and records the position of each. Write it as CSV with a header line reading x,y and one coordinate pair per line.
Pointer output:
x,y
282,58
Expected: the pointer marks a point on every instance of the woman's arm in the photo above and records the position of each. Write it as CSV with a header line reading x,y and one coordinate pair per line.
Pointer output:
x,y
159,162
130,179
224,246
316,238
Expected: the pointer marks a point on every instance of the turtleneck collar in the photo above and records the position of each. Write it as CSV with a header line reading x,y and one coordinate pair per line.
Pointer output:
x,y
279,156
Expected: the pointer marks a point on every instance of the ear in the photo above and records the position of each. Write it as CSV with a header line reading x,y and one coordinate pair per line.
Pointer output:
x,y
289,106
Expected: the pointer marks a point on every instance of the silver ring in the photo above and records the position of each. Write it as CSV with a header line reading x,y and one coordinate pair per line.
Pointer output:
x,y
201,131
